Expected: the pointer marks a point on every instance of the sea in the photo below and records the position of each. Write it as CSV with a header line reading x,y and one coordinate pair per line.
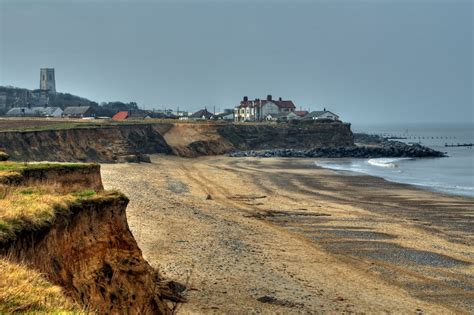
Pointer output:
x,y
452,175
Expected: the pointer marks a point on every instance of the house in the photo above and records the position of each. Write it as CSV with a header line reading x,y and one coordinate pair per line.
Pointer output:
x,y
138,116
21,112
120,116
202,114
322,114
258,110
301,113
224,116
39,111
49,111
285,116
129,115
79,112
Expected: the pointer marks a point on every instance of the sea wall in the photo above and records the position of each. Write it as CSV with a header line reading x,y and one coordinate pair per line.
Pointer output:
x,y
122,142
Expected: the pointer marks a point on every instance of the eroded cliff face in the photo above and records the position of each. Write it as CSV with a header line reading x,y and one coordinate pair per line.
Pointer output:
x,y
300,135
66,178
92,254
104,144
113,143
89,249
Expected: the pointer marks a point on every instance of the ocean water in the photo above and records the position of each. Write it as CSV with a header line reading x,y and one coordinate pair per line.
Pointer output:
x,y
453,174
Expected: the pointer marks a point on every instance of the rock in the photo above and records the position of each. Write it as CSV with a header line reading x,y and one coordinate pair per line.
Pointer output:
x,y
134,158
389,149
209,197
144,158
4,156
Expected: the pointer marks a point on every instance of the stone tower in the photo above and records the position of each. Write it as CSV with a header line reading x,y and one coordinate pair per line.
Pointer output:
x,y
47,81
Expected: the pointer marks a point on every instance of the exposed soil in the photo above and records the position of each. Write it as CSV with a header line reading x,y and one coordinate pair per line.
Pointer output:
x,y
282,235
69,141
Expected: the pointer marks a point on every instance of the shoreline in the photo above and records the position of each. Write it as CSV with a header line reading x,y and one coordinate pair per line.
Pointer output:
x,y
422,186
283,235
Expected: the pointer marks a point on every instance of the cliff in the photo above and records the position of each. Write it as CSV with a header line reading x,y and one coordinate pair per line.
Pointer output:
x,y
115,143
93,144
58,221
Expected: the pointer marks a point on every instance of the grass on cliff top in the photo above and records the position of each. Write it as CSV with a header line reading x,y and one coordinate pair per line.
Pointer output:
x,y
31,208
18,166
23,290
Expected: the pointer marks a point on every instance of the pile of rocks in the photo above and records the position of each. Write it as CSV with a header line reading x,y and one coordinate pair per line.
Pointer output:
x,y
397,149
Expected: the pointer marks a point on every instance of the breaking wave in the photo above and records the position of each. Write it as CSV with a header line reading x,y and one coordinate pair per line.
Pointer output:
x,y
386,162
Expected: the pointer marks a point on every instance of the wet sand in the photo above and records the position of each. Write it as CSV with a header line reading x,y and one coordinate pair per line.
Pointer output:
x,y
280,235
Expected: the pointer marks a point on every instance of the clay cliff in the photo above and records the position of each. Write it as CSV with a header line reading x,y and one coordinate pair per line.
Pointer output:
x,y
85,247
117,143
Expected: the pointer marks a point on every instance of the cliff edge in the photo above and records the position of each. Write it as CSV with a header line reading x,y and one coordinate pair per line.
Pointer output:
x,y
56,220
122,142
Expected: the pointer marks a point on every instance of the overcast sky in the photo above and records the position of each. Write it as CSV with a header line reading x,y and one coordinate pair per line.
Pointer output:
x,y
386,61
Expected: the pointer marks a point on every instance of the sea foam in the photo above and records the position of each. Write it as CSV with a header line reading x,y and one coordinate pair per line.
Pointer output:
x,y
386,162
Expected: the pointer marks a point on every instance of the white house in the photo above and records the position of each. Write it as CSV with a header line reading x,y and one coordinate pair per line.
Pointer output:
x,y
21,112
287,116
258,109
48,111
323,114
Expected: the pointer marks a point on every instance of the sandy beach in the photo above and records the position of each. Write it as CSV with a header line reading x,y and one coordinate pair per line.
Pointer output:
x,y
281,235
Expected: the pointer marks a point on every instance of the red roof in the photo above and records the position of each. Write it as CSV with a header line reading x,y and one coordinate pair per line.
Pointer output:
x,y
301,113
280,104
285,104
120,116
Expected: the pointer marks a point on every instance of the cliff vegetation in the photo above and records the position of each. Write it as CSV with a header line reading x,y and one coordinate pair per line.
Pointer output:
x,y
65,245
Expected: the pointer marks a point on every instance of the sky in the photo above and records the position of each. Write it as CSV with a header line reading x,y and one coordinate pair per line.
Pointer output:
x,y
368,61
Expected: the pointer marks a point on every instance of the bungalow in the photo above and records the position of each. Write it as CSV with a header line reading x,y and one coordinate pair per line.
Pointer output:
x,y
323,114
138,116
224,116
49,111
202,114
282,116
79,112
126,115
21,112
301,113
120,116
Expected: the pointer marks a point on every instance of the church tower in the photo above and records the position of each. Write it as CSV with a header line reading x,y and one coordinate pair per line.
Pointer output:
x,y
47,81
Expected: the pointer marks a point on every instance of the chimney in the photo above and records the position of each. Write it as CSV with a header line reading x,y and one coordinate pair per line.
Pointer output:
x,y
269,97
246,99
279,99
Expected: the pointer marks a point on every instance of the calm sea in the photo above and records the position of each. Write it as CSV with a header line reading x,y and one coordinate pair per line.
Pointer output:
x,y
453,174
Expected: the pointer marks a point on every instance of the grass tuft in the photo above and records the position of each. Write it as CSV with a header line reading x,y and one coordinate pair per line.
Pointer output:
x,y
23,290
84,194
19,167
27,209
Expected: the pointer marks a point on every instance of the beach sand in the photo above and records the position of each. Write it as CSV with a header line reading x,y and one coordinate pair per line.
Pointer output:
x,y
281,235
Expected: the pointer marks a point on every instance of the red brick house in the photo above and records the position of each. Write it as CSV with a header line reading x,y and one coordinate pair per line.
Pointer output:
x,y
258,110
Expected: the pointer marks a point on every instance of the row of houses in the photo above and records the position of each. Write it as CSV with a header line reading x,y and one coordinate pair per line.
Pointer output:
x,y
45,111
248,110
279,110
